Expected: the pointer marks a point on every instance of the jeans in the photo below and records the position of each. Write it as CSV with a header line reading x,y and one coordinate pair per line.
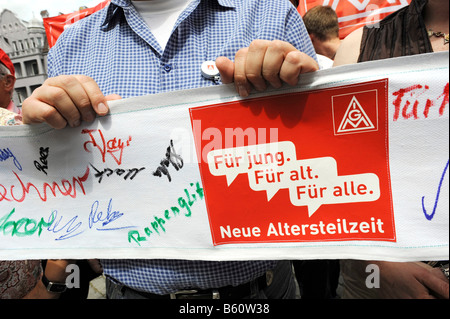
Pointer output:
x,y
281,285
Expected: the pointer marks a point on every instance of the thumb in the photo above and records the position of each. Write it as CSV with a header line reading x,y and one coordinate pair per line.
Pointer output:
x,y
102,108
226,69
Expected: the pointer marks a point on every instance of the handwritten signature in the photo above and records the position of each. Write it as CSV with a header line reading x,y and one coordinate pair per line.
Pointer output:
x,y
190,196
97,220
410,103
42,166
104,219
65,188
431,216
131,173
6,153
113,147
171,158
23,227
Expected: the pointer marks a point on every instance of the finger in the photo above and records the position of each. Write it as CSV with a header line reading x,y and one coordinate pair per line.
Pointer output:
x,y
35,111
254,63
294,64
75,90
226,69
111,97
441,284
438,286
240,78
85,95
97,100
273,61
56,97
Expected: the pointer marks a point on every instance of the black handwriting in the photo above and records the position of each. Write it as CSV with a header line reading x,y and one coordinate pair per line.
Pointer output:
x,y
171,158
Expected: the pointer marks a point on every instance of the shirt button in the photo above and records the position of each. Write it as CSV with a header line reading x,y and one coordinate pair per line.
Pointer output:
x,y
167,68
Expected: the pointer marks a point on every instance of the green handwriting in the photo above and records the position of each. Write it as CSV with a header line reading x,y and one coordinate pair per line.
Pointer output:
x,y
23,227
158,223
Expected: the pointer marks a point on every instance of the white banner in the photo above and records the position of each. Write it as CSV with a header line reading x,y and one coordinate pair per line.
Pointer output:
x,y
350,164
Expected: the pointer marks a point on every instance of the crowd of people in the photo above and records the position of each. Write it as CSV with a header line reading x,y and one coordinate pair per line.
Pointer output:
x,y
256,44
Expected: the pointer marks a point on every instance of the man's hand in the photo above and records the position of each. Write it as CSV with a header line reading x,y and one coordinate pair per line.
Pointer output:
x,y
398,280
265,62
412,280
66,99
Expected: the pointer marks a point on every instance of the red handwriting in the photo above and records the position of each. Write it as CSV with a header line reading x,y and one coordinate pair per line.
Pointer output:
x,y
114,146
65,188
409,102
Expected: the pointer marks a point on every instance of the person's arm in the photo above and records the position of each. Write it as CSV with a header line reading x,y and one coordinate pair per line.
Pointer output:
x,y
265,62
55,271
349,49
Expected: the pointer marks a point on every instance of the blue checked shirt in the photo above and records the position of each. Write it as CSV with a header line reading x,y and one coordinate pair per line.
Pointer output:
x,y
116,48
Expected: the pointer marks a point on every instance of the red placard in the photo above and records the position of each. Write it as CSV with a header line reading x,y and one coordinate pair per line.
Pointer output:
x,y
299,167
54,26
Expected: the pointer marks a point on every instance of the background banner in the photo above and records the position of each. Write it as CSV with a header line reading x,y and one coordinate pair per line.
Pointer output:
x,y
351,163
354,14
54,26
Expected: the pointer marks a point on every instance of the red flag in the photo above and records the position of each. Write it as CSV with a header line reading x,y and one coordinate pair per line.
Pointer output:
x,y
54,26
354,14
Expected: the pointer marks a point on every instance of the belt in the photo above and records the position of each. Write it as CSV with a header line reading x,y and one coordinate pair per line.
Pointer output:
x,y
228,292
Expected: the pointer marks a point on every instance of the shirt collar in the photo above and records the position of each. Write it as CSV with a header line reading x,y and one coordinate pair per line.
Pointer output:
x,y
113,9
121,3
228,3
127,3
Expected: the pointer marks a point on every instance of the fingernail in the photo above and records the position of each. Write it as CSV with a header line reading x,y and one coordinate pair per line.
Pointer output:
x,y
260,88
89,117
242,91
102,109
76,123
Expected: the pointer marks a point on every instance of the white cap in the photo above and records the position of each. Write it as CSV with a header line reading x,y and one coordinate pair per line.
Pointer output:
x,y
209,70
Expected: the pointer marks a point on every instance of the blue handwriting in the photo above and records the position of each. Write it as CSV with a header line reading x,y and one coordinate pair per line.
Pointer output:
x,y
431,216
70,229
75,226
6,153
104,219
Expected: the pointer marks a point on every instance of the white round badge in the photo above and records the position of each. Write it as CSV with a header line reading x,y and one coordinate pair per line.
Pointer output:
x,y
209,70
